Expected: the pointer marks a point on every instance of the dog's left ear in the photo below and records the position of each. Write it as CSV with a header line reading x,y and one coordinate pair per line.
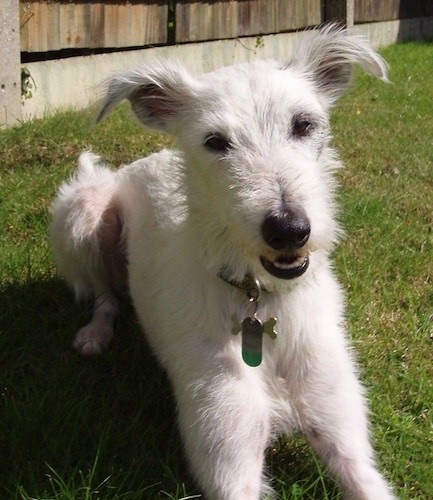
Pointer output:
x,y
156,93
329,53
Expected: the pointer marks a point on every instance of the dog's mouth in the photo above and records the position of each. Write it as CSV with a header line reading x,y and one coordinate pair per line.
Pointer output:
x,y
286,266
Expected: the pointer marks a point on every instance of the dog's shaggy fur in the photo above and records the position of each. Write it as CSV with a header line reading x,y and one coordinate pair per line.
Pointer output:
x,y
249,193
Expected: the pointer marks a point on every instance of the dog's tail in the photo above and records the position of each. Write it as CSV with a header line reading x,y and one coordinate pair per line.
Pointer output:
x,y
77,217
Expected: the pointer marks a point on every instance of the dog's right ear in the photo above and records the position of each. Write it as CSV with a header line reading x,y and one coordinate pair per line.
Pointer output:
x,y
157,93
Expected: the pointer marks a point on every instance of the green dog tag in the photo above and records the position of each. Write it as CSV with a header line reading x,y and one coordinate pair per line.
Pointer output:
x,y
252,329
252,340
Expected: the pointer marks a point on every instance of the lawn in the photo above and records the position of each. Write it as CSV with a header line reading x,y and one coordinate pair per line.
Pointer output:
x,y
75,428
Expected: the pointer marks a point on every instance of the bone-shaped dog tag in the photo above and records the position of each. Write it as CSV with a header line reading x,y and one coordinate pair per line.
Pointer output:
x,y
253,328
269,328
252,337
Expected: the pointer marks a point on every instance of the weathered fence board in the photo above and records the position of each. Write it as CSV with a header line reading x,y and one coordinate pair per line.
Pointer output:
x,y
53,25
197,21
59,25
388,10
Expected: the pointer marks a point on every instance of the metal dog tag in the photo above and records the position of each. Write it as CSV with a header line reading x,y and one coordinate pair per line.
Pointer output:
x,y
252,329
252,340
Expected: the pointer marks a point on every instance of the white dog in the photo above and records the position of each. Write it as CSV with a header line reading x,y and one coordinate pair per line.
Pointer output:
x,y
224,247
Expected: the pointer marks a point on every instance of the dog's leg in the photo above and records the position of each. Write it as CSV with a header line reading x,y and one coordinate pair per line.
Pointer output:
x,y
224,420
96,335
335,423
86,235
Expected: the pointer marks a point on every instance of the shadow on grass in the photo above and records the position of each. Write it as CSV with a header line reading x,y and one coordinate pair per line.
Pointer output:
x,y
85,419
104,425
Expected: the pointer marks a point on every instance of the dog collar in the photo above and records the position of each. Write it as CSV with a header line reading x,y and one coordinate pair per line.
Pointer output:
x,y
251,328
249,284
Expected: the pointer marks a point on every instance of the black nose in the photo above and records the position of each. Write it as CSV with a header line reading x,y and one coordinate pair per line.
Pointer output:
x,y
288,229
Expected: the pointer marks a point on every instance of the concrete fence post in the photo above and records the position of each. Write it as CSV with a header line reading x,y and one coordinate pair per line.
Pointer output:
x,y
342,11
10,69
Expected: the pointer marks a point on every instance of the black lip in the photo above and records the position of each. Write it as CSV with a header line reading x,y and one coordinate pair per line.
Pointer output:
x,y
285,274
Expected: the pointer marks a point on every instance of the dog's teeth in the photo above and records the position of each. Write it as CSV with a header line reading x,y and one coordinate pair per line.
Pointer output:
x,y
286,266
280,264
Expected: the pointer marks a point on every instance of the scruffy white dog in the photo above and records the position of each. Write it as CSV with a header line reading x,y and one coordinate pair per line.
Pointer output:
x,y
224,247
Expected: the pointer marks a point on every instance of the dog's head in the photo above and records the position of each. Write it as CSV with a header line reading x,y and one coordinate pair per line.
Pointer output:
x,y
255,136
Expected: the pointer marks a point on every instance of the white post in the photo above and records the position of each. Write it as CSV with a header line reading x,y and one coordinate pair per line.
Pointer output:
x,y
10,68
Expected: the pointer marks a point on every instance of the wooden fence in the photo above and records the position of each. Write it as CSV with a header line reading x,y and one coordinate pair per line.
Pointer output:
x,y
34,32
54,25
199,21
366,11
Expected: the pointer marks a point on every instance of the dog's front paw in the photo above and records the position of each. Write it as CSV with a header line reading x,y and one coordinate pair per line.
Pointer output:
x,y
92,339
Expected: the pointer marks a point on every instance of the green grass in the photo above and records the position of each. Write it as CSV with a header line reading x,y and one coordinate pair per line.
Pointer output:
x,y
104,428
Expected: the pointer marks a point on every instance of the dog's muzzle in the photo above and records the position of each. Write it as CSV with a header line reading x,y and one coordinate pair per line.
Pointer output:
x,y
286,232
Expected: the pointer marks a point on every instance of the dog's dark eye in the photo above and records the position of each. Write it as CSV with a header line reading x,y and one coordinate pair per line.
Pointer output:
x,y
216,143
301,127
